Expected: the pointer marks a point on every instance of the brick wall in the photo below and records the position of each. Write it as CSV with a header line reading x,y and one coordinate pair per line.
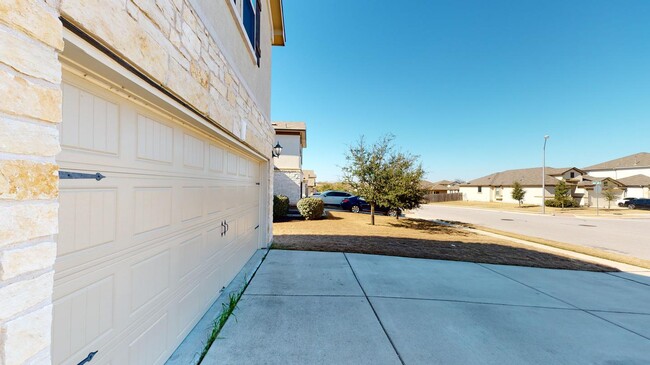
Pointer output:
x,y
30,109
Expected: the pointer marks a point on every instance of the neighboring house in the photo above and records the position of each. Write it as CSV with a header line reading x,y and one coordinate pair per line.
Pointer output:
x,y
585,191
498,186
441,187
637,186
135,163
636,164
288,178
309,182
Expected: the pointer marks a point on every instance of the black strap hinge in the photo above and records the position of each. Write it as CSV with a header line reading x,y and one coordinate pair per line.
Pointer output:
x,y
64,175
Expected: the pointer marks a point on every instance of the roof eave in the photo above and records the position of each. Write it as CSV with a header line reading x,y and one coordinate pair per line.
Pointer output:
x,y
279,37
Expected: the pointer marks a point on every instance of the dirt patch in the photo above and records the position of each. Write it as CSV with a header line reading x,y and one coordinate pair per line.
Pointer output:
x,y
349,232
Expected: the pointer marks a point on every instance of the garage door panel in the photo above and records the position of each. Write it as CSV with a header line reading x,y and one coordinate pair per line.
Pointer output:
x,y
82,317
192,202
190,255
216,159
141,254
90,121
193,152
88,219
153,208
189,309
155,141
149,280
151,345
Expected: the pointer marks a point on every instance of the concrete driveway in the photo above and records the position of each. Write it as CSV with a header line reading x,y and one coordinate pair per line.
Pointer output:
x,y
335,308
619,235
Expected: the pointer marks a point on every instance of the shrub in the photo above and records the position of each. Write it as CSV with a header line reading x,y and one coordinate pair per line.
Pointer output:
x,y
311,208
568,203
280,206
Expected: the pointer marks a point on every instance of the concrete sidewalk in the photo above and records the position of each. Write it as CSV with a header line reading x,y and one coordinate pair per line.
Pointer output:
x,y
335,308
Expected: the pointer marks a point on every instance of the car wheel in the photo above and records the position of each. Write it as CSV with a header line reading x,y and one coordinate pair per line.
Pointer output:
x,y
621,204
355,209
392,213
631,206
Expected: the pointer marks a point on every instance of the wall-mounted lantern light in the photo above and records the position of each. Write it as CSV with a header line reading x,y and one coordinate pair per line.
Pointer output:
x,y
277,150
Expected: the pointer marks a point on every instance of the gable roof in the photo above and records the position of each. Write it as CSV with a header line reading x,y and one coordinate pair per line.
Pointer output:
x,y
559,171
636,180
641,159
526,177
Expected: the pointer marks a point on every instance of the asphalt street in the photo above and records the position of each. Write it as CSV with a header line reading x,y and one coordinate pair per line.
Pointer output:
x,y
620,235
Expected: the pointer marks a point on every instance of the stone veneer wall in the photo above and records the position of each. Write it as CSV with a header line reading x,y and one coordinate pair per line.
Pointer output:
x,y
288,183
30,110
162,38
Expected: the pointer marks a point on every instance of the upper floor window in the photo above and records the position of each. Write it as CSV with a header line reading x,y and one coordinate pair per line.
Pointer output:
x,y
250,14
573,174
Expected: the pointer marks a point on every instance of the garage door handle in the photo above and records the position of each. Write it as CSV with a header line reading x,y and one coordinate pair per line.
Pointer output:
x,y
88,358
64,175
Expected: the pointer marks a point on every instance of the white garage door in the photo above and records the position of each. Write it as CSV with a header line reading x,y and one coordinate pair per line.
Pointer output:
x,y
143,252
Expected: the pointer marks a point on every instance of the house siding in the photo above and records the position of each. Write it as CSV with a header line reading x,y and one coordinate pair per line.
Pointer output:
x,y
620,173
164,40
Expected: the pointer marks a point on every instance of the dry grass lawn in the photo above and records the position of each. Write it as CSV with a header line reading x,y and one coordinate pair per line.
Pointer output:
x,y
349,232
615,211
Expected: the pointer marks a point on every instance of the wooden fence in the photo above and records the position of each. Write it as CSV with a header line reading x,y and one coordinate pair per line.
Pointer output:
x,y
437,198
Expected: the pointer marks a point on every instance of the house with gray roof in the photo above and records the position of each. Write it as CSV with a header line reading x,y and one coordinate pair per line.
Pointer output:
x,y
636,164
497,187
627,176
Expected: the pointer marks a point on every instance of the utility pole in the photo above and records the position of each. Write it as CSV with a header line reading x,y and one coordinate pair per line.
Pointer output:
x,y
544,176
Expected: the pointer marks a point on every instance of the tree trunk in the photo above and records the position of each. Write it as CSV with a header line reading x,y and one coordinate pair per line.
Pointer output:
x,y
372,213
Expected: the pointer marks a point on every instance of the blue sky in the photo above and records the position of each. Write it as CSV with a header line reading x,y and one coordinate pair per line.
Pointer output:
x,y
470,86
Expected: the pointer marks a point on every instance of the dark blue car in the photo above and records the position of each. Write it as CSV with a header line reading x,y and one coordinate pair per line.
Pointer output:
x,y
357,204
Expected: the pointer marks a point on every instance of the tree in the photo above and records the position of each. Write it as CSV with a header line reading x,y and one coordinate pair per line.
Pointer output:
x,y
561,193
365,171
609,194
383,176
323,186
405,190
518,192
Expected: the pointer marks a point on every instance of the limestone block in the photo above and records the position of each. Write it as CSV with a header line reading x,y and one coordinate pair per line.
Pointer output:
x,y
22,222
182,83
28,180
109,21
24,294
24,98
18,261
33,18
153,13
26,336
191,41
200,74
27,138
29,57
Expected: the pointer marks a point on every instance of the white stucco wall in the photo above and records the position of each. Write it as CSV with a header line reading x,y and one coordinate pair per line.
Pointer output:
x,y
287,183
533,194
620,173
290,157
470,193
637,192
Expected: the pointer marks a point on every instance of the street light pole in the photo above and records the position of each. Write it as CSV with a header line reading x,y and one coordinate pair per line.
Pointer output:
x,y
544,176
